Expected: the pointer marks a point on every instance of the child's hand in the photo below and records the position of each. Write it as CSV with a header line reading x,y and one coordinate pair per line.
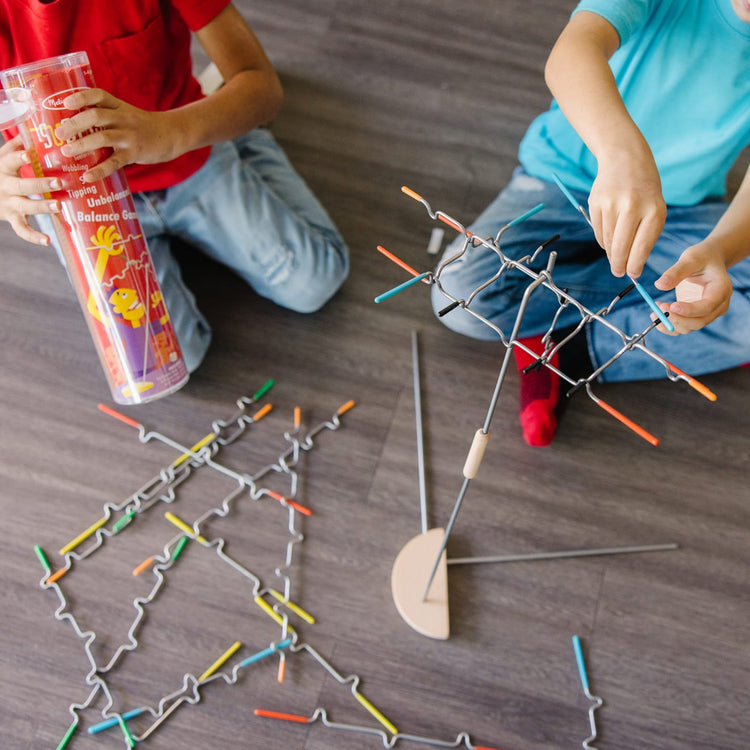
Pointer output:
x,y
16,203
133,135
627,209
702,285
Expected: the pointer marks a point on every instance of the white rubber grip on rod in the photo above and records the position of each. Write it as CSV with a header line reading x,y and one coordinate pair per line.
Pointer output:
x,y
476,453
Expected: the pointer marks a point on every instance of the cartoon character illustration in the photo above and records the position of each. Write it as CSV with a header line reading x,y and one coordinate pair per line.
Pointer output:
x,y
108,241
125,302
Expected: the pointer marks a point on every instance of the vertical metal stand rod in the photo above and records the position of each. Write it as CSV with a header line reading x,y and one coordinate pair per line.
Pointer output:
x,y
420,436
491,410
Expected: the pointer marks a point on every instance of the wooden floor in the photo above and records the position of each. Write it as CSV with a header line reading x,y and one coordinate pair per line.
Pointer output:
x,y
433,94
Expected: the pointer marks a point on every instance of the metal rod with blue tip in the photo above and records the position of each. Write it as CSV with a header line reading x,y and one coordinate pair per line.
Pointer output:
x,y
646,296
597,701
114,721
650,302
401,287
527,215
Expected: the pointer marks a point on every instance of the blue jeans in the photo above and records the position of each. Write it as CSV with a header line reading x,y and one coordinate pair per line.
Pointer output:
x,y
582,268
248,209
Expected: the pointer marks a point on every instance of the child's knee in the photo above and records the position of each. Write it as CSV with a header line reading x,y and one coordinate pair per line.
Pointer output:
x,y
310,287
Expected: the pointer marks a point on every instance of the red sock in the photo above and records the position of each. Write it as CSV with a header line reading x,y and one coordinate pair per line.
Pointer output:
x,y
540,391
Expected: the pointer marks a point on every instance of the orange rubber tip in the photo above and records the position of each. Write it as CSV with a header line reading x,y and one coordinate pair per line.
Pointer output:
x,y
702,389
143,566
345,408
57,576
453,224
262,412
299,508
637,429
116,414
400,263
408,191
283,717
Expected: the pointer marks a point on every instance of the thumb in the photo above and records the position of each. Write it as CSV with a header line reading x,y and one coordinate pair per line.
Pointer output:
x,y
683,268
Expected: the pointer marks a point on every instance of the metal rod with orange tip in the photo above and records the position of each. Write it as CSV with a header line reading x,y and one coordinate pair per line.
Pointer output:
x,y
637,429
345,407
121,417
400,263
295,718
388,740
55,577
693,383
265,409
143,566
292,503
412,194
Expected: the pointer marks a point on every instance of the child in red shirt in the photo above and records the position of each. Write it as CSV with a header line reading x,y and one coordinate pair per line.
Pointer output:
x,y
202,168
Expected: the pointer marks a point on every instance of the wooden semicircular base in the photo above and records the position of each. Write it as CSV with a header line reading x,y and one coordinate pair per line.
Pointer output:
x,y
409,576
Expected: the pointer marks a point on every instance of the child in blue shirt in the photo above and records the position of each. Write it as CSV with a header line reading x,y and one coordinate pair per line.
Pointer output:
x,y
651,110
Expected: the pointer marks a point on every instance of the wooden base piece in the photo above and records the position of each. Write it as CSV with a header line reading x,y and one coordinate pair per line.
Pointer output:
x,y
411,571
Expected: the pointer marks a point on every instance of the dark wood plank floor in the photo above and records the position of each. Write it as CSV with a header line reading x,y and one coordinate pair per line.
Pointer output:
x,y
436,95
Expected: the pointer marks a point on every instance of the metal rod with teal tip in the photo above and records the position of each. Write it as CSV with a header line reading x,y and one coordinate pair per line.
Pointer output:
x,y
401,287
571,198
526,215
114,721
665,321
646,296
597,701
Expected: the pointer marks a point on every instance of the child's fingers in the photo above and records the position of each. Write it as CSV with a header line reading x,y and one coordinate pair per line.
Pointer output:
x,y
25,231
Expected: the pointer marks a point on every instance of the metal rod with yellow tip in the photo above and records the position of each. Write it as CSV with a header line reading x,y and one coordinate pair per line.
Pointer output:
x,y
200,444
374,711
269,610
182,526
306,616
83,536
221,660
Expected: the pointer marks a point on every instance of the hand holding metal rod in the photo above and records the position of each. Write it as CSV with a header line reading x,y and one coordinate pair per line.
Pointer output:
x,y
639,287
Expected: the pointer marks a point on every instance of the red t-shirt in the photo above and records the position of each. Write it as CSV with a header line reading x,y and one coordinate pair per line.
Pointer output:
x,y
139,51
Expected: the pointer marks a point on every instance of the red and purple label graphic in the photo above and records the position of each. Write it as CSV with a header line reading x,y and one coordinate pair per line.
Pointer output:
x,y
105,251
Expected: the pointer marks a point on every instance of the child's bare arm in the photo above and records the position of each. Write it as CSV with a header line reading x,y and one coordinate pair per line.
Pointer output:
x,y
251,96
626,205
699,277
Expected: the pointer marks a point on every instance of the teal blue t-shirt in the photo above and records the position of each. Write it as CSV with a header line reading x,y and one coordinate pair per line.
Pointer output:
x,y
683,70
